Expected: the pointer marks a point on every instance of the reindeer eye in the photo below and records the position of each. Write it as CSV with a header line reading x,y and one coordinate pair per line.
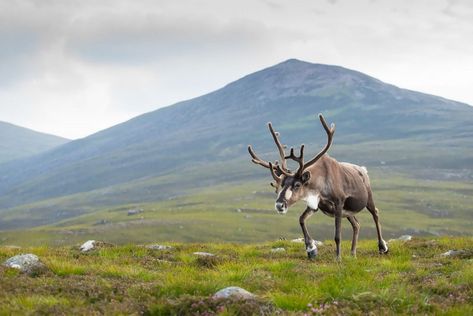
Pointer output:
x,y
297,186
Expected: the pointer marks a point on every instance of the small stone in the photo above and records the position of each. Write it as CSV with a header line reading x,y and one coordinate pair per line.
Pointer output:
x,y
453,253
27,263
158,247
134,211
401,238
204,254
12,247
405,238
101,222
301,240
278,249
234,292
87,246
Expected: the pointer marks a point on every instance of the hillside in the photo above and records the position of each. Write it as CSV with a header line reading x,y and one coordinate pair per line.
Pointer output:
x,y
201,143
414,278
18,142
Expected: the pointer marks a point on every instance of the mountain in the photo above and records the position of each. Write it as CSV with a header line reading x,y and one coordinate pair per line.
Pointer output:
x,y
19,142
202,141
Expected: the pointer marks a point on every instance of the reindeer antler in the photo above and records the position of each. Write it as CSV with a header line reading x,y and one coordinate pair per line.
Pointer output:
x,y
276,170
256,159
282,153
282,169
330,131
299,160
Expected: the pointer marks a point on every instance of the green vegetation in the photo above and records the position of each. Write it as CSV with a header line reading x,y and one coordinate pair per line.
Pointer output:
x,y
243,212
201,143
414,278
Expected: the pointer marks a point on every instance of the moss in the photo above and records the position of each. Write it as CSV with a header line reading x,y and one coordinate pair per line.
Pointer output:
x,y
413,279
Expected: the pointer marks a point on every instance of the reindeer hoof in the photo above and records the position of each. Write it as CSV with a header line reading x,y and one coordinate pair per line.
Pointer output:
x,y
312,254
383,248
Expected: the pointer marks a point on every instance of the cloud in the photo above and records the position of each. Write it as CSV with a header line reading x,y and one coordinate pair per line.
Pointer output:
x,y
153,38
74,67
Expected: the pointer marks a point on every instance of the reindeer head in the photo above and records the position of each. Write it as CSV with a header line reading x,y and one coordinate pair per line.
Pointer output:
x,y
291,186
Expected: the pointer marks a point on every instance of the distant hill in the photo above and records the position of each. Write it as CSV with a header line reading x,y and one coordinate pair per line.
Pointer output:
x,y
203,141
19,142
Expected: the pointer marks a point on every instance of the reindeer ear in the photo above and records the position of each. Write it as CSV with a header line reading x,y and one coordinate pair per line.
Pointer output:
x,y
305,177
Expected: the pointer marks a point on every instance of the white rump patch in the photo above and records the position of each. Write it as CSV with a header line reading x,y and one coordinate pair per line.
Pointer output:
x,y
312,201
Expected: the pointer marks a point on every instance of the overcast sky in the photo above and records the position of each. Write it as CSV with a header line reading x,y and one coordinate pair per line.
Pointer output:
x,y
72,68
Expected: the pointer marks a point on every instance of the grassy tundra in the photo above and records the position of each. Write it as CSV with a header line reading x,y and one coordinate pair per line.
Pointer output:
x,y
245,213
414,278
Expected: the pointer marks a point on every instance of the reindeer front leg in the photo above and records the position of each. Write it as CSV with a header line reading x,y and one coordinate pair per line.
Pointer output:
x,y
356,231
338,235
310,246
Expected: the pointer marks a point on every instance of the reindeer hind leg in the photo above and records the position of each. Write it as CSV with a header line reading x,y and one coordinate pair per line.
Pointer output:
x,y
382,245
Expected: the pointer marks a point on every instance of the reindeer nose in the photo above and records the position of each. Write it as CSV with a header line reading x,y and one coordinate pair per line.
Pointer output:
x,y
281,207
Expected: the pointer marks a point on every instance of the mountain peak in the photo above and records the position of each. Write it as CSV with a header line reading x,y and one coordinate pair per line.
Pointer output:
x,y
294,61
296,77
217,126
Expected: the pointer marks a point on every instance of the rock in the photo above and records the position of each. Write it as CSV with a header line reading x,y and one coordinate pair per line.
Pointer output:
x,y
278,249
134,211
453,253
318,243
234,292
101,222
27,263
402,238
12,247
204,254
87,246
158,247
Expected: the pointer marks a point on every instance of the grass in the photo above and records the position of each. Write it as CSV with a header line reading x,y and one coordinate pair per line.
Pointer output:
x,y
414,278
243,212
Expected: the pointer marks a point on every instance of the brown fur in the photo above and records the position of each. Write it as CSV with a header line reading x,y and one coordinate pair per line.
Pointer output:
x,y
339,190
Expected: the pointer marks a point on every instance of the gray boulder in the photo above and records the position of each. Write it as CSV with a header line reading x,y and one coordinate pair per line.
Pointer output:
x,y
27,263
234,292
158,247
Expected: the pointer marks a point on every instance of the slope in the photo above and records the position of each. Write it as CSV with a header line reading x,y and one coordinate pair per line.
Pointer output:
x,y
18,142
204,139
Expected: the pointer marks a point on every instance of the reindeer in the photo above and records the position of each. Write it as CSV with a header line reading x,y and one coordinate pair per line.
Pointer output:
x,y
338,189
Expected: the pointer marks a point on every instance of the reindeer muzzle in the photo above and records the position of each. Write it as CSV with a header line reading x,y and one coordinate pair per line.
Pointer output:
x,y
281,207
